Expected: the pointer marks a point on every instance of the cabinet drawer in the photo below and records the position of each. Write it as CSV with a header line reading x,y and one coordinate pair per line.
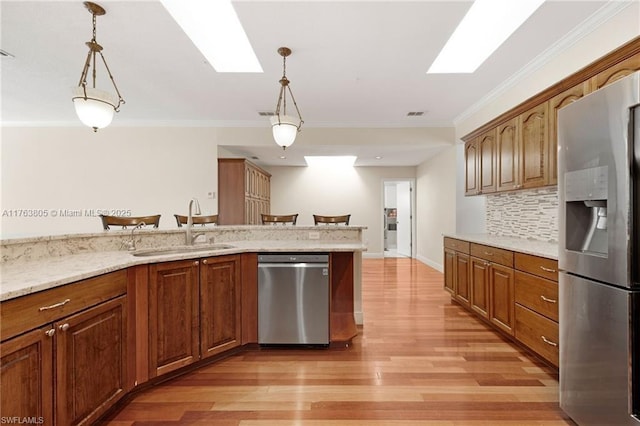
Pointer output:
x,y
538,333
457,245
540,266
31,311
537,294
493,254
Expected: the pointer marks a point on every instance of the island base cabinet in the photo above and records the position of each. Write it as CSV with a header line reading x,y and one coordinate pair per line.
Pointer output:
x,y
220,305
90,362
26,377
173,316
90,353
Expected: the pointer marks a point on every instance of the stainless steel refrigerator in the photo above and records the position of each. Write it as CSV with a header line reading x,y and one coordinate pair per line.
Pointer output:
x,y
599,255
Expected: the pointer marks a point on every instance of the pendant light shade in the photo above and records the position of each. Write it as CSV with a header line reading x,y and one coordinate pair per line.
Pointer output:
x,y
285,127
95,107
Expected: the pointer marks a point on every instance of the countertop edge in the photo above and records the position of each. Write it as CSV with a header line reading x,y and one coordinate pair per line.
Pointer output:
x,y
77,267
544,249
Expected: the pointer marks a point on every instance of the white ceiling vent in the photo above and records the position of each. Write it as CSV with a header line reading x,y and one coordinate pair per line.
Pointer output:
x,y
415,113
266,113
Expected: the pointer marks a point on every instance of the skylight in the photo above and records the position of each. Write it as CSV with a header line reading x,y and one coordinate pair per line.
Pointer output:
x,y
330,161
487,24
213,26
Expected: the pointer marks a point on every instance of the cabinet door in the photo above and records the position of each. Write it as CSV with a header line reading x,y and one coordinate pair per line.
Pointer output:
x,y
449,271
471,168
487,166
91,360
462,284
173,316
534,146
480,286
616,72
220,305
507,156
559,101
501,291
26,376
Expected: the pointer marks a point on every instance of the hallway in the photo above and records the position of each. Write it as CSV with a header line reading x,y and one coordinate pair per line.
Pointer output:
x,y
419,360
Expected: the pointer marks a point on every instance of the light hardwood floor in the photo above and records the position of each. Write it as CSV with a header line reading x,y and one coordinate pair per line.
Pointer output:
x,y
419,360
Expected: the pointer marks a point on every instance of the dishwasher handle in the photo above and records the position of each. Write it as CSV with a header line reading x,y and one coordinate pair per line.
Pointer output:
x,y
293,258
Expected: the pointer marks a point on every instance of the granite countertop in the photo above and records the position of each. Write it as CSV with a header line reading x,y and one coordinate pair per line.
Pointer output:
x,y
522,245
22,278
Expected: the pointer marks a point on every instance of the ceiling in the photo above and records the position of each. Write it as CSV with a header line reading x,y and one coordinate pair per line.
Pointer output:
x,y
355,65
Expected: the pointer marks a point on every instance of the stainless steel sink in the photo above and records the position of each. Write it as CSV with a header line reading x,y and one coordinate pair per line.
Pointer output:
x,y
182,249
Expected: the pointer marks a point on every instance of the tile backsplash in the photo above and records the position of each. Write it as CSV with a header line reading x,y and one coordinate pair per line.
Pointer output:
x,y
531,214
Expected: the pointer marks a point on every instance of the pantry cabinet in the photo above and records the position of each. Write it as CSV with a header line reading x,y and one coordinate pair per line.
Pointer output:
x,y
244,192
67,346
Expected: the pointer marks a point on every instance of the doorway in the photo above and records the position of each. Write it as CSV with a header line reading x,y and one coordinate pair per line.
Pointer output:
x,y
398,226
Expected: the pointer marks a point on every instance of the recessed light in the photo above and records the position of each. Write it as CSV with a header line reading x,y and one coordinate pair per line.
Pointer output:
x,y
214,28
377,157
487,24
282,157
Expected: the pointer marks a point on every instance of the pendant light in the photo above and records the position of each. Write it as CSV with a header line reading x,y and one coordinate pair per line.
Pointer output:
x,y
95,107
285,127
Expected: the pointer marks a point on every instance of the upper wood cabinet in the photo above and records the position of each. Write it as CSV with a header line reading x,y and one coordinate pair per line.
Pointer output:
x,y
522,153
616,72
560,101
487,166
508,156
534,146
471,168
244,192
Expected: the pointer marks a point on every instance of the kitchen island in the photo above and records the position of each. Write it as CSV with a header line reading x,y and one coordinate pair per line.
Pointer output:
x,y
83,310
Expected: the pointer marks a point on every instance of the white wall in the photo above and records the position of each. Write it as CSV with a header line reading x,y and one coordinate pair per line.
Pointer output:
x,y
436,205
141,170
357,191
470,211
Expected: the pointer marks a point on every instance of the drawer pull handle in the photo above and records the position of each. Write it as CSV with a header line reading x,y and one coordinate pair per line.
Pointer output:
x,y
50,332
548,342
544,299
548,269
488,253
55,305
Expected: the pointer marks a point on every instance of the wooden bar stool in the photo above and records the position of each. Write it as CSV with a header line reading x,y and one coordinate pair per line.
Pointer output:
x,y
107,221
274,219
197,220
318,219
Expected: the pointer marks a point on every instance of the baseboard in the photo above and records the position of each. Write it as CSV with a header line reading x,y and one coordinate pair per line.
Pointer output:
x,y
437,266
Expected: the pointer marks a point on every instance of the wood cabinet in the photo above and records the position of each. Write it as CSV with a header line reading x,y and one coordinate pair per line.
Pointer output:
x,y
514,292
173,316
457,270
534,146
525,153
536,297
220,305
487,165
75,333
492,284
194,311
508,156
244,192
26,368
471,168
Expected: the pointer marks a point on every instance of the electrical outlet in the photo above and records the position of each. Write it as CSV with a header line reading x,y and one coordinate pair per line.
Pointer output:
x,y
314,235
211,195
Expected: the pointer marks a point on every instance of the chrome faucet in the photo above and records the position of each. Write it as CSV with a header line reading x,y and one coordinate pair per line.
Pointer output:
x,y
131,243
188,237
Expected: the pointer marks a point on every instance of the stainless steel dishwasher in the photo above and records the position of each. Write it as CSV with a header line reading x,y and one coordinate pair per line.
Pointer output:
x,y
293,299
